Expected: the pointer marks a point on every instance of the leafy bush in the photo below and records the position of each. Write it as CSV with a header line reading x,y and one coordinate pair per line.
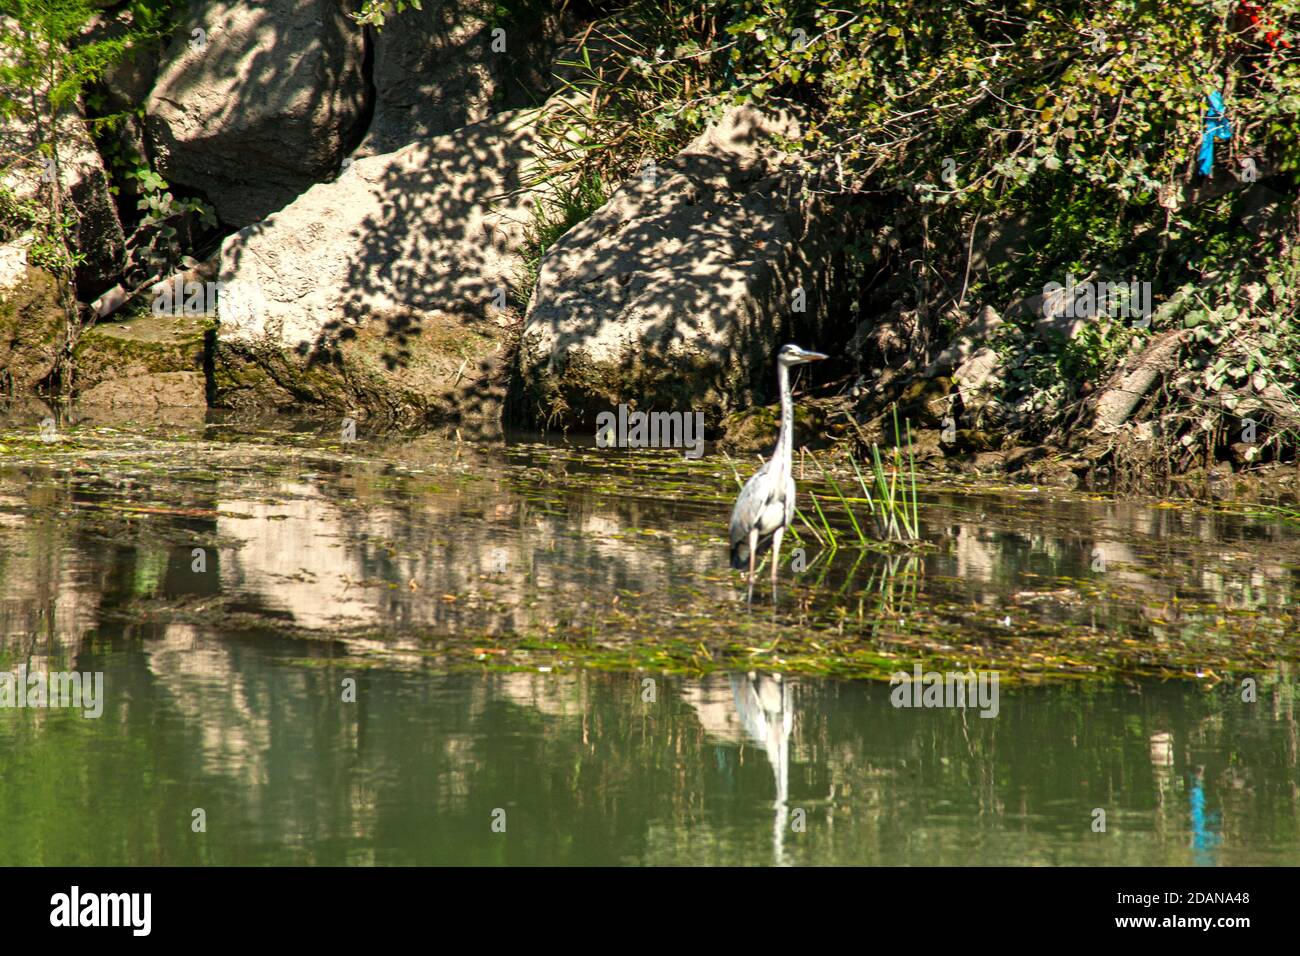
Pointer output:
x,y
1081,120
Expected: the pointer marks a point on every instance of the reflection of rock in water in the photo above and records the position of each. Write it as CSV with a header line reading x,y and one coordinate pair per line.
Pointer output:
x,y
202,678
767,714
48,601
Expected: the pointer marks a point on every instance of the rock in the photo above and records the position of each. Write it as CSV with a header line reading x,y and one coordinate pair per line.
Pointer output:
x,y
926,402
148,361
1050,321
1055,325
978,332
259,104
32,325
679,290
373,292
152,390
436,69
13,262
753,430
977,377
927,445
984,461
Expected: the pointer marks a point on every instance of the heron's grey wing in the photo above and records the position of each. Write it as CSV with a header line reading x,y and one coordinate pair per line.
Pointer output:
x,y
750,504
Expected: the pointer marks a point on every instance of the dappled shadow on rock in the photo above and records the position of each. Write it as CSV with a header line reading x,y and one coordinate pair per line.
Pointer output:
x,y
254,103
676,293
376,290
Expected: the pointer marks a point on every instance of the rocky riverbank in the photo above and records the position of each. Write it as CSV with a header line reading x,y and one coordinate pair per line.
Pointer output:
x,y
279,207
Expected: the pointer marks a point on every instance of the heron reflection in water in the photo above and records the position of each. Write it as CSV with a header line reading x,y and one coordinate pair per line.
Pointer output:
x,y
766,713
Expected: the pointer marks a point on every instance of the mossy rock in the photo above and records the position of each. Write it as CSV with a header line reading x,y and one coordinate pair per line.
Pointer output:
x,y
925,401
583,388
437,370
142,345
32,328
146,360
753,431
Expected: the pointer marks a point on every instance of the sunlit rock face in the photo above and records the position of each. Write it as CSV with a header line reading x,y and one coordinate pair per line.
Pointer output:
x,y
378,291
255,102
679,289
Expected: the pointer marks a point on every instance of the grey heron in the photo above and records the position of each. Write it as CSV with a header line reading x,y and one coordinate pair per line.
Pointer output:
x,y
765,505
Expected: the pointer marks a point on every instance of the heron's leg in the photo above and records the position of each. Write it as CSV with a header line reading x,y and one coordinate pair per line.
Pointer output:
x,y
776,555
753,546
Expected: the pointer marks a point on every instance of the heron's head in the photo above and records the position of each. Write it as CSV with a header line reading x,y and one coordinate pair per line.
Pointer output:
x,y
793,355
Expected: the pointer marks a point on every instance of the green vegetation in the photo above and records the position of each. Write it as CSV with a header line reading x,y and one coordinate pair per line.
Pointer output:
x,y
990,147
375,13
553,216
893,511
1045,139
48,65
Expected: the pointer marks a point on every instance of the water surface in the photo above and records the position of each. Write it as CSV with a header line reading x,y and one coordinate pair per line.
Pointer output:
x,y
544,638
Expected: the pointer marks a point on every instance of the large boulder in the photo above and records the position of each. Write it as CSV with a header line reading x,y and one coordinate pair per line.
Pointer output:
x,y
255,103
681,287
374,293
451,64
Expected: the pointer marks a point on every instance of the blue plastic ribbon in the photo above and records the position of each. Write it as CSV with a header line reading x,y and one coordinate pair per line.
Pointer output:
x,y
1216,127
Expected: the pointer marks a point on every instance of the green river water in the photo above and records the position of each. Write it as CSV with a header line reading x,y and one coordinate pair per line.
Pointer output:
x,y
520,650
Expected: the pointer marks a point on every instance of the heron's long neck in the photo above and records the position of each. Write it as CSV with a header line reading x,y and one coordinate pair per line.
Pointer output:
x,y
785,437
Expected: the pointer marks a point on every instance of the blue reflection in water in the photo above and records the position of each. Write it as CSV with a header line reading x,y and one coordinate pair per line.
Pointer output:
x,y
1204,825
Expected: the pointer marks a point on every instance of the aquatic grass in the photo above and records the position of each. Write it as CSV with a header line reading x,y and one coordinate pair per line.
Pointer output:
x,y
1271,511
848,506
826,525
811,530
893,506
